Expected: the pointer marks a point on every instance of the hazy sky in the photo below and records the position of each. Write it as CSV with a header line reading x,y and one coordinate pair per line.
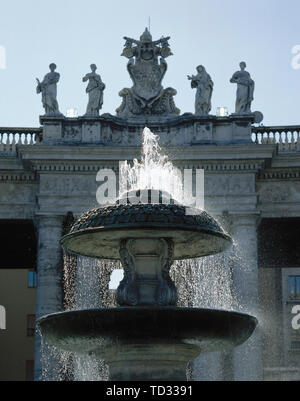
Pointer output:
x,y
216,33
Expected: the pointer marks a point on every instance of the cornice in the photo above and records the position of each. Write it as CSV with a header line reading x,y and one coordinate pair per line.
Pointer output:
x,y
280,174
18,177
233,158
88,166
219,166
11,162
73,166
288,159
77,153
222,152
98,152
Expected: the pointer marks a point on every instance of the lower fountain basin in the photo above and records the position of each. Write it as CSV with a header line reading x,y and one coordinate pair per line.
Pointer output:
x,y
146,343
91,331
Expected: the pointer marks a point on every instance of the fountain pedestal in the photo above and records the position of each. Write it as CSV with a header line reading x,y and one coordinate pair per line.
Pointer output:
x,y
149,362
146,263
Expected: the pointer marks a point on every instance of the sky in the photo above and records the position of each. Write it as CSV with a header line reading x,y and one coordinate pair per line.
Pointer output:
x,y
215,33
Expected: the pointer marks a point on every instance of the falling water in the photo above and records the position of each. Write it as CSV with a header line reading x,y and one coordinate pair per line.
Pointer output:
x,y
57,365
85,285
92,280
205,282
87,296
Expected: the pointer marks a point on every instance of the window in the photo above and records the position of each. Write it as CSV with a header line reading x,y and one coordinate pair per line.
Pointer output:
x,y
30,325
294,288
31,279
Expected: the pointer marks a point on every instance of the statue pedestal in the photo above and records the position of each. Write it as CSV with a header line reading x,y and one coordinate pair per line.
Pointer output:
x,y
184,130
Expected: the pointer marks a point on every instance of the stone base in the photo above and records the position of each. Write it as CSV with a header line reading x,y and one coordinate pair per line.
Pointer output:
x,y
146,362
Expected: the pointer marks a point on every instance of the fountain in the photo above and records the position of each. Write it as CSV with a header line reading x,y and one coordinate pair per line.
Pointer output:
x,y
147,337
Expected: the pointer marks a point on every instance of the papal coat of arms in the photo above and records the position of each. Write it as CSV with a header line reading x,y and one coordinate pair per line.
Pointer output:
x,y
147,67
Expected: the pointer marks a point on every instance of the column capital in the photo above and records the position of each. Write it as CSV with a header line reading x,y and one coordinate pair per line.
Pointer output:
x,y
49,220
49,214
244,219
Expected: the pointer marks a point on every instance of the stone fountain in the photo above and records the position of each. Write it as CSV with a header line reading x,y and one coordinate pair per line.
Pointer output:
x,y
147,337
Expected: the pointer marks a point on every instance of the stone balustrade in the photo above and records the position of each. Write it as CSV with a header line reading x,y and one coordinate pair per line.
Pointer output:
x,y
10,137
287,137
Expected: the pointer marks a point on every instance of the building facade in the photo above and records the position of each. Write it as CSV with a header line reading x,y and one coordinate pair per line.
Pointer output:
x,y
252,183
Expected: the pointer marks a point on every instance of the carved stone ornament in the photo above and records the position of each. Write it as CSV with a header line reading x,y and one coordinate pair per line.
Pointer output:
x,y
147,96
146,273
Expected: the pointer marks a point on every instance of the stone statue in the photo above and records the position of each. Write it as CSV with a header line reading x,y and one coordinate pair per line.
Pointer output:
x,y
204,84
147,96
95,90
49,91
245,89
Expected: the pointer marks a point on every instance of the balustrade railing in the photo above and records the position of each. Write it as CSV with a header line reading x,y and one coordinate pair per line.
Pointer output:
x,y
287,137
10,137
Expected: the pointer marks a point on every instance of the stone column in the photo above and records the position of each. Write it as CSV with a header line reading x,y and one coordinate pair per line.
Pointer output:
x,y
247,360
49,289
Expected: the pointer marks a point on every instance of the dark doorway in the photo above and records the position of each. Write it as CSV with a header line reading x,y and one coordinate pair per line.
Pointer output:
x,y
18,244
279,243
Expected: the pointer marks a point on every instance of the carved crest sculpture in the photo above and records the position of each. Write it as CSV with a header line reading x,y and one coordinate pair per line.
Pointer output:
x,y
147,96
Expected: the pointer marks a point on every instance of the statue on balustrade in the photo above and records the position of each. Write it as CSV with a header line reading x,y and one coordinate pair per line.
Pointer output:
x,y
147,96
49,91
95,90
204,84
245,90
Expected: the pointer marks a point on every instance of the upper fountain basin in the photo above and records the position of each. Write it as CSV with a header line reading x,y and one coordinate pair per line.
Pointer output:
x,y
98,233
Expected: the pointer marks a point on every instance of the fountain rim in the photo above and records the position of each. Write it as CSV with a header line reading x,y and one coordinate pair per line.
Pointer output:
x,y
153,226
148,308
228,327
